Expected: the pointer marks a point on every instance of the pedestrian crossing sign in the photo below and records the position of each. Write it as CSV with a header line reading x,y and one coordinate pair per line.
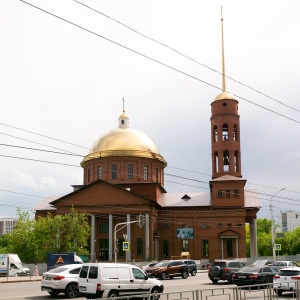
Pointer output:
x,y
125,246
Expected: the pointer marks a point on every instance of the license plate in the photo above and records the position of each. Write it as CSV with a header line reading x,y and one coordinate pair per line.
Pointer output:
x,y
217,278
48,278
242,276
82,288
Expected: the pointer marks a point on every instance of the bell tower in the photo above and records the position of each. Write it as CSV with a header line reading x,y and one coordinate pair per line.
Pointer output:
x,y
227,179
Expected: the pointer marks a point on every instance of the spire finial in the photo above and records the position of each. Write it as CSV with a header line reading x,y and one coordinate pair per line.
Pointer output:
x,y
223,57
123,105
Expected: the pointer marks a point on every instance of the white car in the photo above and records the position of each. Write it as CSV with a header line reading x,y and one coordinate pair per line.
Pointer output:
x,y
63,279
286,280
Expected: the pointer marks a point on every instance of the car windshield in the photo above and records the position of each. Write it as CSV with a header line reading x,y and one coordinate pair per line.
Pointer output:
x,y
284,272
250,269
218,263
58,270
162,264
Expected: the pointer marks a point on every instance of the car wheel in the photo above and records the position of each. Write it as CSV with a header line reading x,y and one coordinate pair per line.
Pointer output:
x,y
264,281
214,281
155,291
184,274
194,272
171,277
71,290
230,280
113,294
278,292
163,276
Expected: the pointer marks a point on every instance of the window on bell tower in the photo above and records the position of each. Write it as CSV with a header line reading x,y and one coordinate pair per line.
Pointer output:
x,y
235,133
215,133
145,173
225,132
225,161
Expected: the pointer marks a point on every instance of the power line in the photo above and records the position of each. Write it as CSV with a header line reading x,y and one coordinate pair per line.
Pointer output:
x,y
184,55
157,61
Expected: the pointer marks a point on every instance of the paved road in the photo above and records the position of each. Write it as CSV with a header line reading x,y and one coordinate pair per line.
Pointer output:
x,y
10,290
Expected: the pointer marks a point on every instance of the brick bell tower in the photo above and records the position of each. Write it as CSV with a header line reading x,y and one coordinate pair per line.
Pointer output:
x,y
227,185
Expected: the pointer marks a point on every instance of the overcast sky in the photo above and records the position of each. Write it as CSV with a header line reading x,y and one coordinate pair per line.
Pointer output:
x,y
64,82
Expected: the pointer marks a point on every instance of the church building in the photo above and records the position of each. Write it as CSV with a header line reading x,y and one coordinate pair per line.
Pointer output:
x,y
123,193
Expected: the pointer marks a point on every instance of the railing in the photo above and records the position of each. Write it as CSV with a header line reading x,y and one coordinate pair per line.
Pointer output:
x,y
249,292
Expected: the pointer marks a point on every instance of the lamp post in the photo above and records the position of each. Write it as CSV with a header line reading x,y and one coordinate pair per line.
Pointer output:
x,y
272,224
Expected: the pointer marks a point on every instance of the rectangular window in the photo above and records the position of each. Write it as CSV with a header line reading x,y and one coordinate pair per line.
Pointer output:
x,y
205,251
156,175
140,246
165,248
227,193
220,194
130,172
145,173
236,193
99,172
114,172
229,248
185,245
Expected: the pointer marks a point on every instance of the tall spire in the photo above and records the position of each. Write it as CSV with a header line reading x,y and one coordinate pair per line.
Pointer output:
x,y
123,105
223,56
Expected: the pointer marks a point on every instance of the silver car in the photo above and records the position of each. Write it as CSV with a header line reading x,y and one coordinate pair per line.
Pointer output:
x,y
63,279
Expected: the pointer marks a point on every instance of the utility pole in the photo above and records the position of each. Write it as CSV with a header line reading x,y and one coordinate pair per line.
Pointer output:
x,y
272,225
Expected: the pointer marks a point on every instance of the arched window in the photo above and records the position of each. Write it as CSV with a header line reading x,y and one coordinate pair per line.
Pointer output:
x,y
235,132
225,132
216,162
215,133
226,161
104,227
236,161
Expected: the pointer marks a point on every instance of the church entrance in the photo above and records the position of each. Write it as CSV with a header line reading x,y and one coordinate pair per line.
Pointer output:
x,y
103,249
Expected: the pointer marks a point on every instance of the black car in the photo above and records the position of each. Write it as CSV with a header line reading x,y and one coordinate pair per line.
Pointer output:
x,y
192,266
223,269
254,274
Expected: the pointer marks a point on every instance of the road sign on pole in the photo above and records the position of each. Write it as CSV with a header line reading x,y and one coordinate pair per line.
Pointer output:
x,y
125,246
125,236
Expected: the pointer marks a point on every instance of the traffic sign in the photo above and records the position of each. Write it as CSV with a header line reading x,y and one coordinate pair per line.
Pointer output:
x,y
125,246
277,247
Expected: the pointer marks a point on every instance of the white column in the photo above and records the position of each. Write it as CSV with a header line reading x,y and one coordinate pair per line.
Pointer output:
x,y
253,238
93,237
222,250
147,236
128,253
110,238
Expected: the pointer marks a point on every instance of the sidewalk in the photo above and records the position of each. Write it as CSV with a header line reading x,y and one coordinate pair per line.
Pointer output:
x,y
4,279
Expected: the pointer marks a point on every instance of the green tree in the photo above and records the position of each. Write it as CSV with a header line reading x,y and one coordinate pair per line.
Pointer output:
x,y
33,239
4,243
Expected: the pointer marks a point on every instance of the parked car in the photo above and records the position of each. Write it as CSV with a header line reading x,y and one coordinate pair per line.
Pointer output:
x,y
283,264
102,280
191,266
285,280
151,264
63,279
223,269
254,274
169,269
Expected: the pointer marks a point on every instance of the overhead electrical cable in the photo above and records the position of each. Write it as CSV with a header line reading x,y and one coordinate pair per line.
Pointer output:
x,y
157,61
184,55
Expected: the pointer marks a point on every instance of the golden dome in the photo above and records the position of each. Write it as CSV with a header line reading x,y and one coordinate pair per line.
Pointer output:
x,y
124,141
225,96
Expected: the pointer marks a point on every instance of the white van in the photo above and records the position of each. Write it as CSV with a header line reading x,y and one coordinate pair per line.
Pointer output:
x,y
102,280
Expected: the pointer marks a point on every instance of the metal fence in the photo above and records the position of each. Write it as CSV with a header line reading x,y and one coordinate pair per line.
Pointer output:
x,y
257,292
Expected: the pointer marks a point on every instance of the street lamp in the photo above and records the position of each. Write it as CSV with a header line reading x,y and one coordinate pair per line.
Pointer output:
x,y
272,224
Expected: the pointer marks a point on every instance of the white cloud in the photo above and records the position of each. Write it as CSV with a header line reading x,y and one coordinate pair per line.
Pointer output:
x,y
24,180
